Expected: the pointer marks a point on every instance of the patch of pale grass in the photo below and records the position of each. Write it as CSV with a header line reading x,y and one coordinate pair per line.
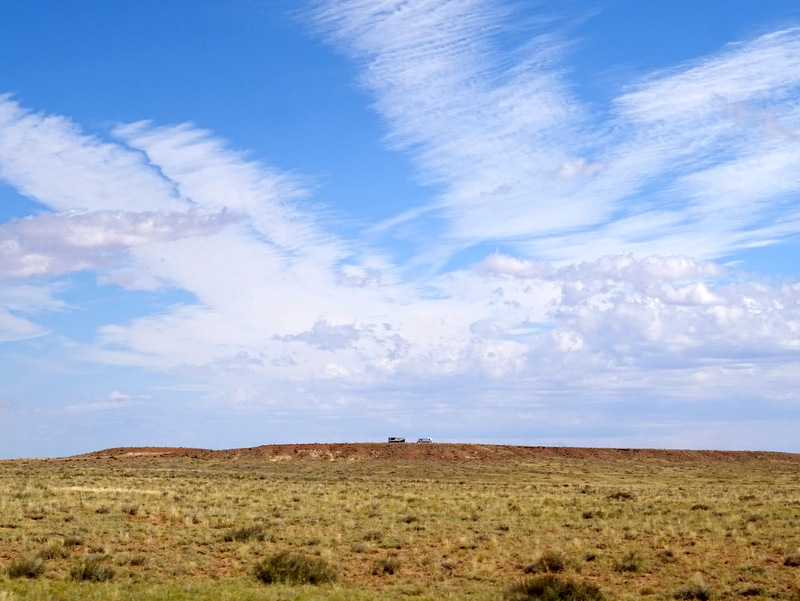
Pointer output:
x,y
113,491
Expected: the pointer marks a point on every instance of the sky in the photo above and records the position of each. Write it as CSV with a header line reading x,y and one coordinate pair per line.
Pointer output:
x,y
269,221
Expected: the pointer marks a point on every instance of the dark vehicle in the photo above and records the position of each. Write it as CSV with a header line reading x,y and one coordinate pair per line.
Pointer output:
x,y
396,439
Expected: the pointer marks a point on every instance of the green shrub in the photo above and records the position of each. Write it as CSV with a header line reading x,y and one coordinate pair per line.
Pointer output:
x,y
752,591
696,590
294,568
26,567
550,587
622,495
549,561
256,532
373,535
53,552
386,565
92,569
629,563
130,509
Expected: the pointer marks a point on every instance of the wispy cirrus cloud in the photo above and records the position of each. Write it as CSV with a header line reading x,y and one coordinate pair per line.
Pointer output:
x,y
524,162
49,159
19,306
489,129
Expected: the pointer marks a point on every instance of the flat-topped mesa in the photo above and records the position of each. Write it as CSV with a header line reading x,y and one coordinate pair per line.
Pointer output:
x,y
435,451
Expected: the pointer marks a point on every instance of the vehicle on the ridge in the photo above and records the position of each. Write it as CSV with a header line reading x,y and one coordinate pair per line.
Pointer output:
x,y
426,439
396,439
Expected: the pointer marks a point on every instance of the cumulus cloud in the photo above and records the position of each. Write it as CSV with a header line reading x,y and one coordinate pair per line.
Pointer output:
x,y
325,336
625,312
578,168
49,244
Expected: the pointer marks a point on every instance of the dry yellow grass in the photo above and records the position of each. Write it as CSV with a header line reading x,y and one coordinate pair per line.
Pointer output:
x,y
184,528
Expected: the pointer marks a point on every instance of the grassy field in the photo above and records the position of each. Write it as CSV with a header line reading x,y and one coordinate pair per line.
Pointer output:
x,y
184,528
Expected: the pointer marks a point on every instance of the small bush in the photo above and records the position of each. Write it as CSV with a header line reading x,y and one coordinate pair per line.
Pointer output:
x,y
130,509
386,565
53,552
549,561
696,590
792,560
629,563
752,591
26,567
256,532
73,541
92,569
666,555
550,587
622,495
137,560
294,568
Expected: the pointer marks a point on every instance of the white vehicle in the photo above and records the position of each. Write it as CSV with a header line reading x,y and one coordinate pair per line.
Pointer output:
x,y
424,440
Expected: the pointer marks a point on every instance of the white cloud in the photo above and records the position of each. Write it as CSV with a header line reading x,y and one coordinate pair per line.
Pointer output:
x,y
13,327
758,71
216,178
680,165
18,300
47,158
50,244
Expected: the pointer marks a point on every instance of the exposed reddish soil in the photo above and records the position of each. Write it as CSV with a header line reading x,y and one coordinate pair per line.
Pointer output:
x,y
435,452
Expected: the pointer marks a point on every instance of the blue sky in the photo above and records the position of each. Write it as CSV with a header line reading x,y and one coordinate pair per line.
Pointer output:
x,y
556,223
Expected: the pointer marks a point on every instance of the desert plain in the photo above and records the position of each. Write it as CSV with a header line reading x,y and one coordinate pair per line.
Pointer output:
x,y
369,521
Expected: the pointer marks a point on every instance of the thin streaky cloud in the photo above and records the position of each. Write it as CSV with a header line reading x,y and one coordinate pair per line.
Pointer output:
x,y
49,159
509,148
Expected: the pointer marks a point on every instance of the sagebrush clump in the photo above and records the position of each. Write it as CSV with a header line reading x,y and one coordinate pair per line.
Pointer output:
x,y
256,532
294,568
92,569
550,587
26,567
385,565
548,561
